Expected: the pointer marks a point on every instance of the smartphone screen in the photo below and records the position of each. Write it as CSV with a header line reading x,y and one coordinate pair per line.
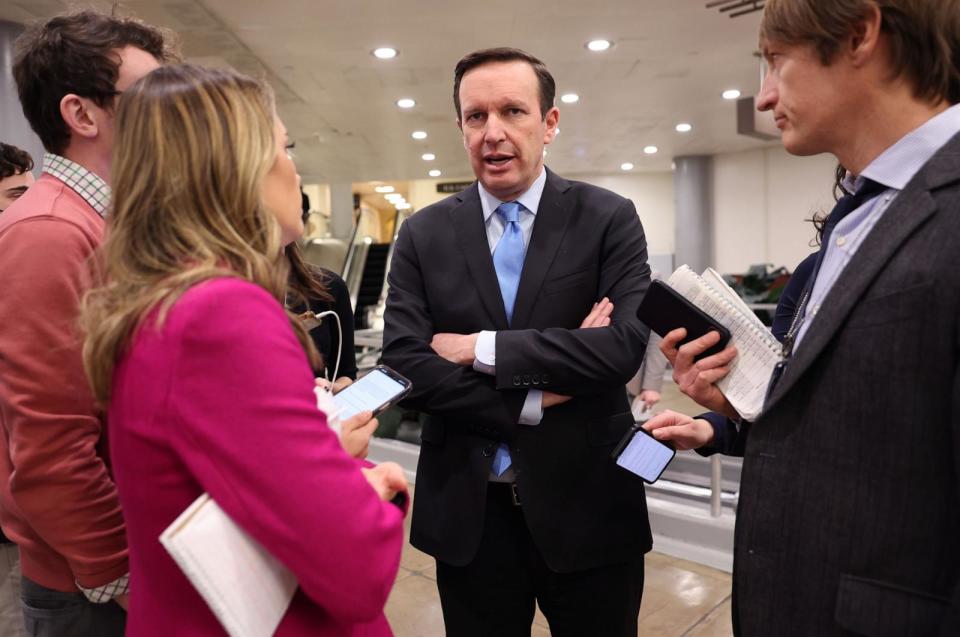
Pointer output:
x,y
369,393
645,456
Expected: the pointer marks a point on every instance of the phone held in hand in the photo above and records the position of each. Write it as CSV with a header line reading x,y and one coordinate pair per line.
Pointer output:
x,y
642,454
663,309
378,389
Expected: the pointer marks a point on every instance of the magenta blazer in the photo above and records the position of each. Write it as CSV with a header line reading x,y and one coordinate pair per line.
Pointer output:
x,y
220,400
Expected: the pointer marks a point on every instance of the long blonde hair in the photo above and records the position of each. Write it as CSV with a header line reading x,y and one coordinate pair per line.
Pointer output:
x,y
192,148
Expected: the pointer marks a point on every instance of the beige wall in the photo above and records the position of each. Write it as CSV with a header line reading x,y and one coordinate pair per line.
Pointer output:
x,y
760,201
652,195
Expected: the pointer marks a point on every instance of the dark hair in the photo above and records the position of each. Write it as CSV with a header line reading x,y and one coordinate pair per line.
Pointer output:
x,y
304,282
819,219
924,36
14,161
548,88
77,54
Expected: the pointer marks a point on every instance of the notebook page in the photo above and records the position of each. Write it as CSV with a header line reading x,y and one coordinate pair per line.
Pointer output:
x,y
758,352
245,587
715,280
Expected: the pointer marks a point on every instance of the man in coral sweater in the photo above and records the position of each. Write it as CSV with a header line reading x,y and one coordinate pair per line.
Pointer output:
x,y
58,501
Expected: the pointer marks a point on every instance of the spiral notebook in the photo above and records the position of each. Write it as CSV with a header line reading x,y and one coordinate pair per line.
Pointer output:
x,y
758,351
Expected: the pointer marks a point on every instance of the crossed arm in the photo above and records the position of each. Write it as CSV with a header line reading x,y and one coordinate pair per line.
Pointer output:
x,y
584,360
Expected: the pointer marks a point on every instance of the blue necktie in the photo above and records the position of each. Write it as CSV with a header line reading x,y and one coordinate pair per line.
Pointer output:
x,y
508,255
508,262
845,205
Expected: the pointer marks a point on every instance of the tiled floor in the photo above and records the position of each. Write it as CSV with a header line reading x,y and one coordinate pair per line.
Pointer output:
x,y
680,598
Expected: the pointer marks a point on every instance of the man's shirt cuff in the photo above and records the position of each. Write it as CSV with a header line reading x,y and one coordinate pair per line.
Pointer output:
x,y
532,412
106,593
485,354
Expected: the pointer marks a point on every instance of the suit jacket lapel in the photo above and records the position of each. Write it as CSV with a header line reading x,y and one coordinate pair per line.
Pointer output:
x,y
548,231
912,207
467,219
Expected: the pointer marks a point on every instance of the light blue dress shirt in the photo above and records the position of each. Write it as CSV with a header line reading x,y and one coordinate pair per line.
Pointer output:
x,y
485,352
894,168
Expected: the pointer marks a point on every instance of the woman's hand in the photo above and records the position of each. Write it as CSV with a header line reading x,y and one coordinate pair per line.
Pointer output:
x,y
683,431
355,433
387,479
340,384
697,379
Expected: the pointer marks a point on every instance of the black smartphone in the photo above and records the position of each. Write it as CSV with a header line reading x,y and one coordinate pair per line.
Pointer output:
x,y
375,391
664,309
642,454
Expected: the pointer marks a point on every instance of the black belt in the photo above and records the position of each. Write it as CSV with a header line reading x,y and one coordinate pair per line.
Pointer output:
x,y
511,487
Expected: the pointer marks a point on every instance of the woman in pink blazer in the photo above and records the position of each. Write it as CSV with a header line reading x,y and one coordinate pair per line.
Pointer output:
x,y
207,378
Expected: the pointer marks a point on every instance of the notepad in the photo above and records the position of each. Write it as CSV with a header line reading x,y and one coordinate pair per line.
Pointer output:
x,y
758,352
248,589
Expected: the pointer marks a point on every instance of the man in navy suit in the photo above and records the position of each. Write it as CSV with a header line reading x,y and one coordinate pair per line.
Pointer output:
x,y
517,496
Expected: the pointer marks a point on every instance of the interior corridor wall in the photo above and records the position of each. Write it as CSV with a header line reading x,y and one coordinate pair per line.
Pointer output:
x,y
652,195
760,203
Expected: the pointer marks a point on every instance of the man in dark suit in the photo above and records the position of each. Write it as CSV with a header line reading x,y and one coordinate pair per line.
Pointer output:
x,y
849,514
517,496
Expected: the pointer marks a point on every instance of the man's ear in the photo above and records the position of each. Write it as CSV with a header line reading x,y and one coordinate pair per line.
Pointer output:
x,y
552,120
865,36
78,115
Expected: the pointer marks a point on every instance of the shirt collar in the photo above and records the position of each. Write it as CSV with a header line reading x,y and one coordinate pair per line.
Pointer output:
x,y
90,186
897,165
530,199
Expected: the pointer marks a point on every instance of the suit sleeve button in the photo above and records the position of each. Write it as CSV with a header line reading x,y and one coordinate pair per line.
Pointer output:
x,y
535,379
488,451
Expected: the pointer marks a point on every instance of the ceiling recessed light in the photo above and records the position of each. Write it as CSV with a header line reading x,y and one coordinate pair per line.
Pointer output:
x,y
650,150
434,173
428,157
419,134
406,102
599,45
684,127
396,199
569,98
384,188
626,166
731,94
403,206
385,53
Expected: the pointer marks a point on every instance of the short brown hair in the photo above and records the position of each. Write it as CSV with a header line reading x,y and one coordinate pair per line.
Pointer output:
x,y
548,88
14,161
924,36
76,54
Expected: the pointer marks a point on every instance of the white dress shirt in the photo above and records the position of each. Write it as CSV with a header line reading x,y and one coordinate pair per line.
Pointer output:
x,y
485,352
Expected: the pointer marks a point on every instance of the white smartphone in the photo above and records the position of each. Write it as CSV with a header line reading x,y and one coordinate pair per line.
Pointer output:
x,y
642,454
375,391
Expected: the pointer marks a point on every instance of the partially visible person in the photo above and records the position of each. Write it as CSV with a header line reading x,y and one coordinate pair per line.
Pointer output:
x,y
848,512
15,175
58,501
15,178
313,291
646,387
199,402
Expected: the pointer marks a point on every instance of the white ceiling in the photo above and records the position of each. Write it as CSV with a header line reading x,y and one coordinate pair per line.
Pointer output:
x,y
670,62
